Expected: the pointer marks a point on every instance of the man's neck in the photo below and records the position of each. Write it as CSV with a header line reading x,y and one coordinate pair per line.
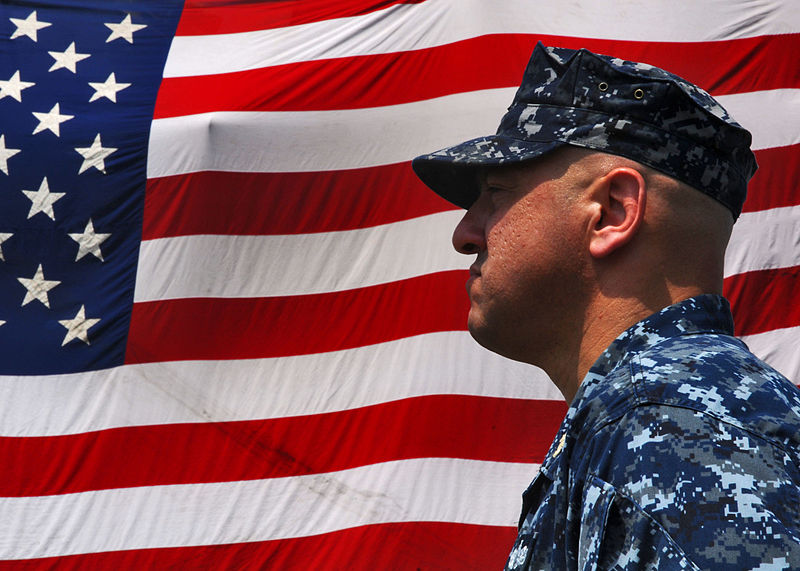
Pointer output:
x,y
605,319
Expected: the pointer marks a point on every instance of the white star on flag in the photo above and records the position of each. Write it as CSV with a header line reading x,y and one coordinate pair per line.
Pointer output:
x,y
67,59
89,242
108,89
38,287
13,86
28,27
78,327
95,155
124,29
3,237
42,200
5,154
51,120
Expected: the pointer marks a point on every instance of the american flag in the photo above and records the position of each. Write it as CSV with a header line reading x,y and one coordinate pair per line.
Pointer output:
x,y
233,328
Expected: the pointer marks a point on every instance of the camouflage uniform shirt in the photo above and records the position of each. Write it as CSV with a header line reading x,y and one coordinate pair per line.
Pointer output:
x,y
681,450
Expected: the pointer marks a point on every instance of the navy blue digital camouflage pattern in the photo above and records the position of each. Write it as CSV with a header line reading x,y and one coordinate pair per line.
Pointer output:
x,y
625,108
681,450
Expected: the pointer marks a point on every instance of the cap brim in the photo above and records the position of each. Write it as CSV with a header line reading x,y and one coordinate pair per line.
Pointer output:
x,y
452,172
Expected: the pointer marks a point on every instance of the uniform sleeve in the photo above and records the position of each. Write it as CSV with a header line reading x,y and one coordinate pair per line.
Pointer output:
x,y
616,533
673,488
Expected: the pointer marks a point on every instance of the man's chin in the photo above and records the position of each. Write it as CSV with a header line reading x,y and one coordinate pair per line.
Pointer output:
x,y
483,334
493,340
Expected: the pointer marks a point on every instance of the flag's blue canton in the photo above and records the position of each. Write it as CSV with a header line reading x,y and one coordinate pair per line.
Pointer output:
x,y
73,151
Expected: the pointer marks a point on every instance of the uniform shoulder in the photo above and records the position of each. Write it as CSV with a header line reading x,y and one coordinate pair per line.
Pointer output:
x,y
718,376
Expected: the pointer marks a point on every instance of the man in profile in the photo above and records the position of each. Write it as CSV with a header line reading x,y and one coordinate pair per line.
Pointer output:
x,y
599,215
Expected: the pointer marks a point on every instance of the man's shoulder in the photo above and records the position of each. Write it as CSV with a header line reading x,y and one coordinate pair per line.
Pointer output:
x,y
710,375
717,375
706,449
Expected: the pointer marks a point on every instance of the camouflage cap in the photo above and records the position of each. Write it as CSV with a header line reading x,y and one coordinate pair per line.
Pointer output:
x,y
635,110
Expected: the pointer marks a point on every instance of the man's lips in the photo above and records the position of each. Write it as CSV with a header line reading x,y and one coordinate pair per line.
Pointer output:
x,y
474,270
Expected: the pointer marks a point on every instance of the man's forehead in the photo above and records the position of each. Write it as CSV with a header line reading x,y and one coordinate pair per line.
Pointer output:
x,y
514,173
502,173
510,171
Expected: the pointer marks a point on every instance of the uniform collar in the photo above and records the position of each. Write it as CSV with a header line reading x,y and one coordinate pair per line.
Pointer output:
x,y
702,314
706,313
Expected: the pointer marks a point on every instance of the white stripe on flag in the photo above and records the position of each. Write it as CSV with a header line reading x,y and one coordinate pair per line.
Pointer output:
x,y
251,389
460,491
310,141
297,264
772,116
764,240
780,348
223,266
437,22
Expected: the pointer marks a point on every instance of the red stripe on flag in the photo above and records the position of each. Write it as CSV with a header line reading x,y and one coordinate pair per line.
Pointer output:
x,y
202,17
764,300
397,546
241,328
437,426
299,203
353,82
285,203
394,78
775,182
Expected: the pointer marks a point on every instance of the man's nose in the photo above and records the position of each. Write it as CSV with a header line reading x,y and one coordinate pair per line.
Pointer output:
x,y
469,236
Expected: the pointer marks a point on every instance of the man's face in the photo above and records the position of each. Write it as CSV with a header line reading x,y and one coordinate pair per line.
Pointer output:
x,y
528,269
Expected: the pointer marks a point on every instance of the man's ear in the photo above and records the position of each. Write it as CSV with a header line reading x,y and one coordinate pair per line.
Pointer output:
x,y
620,197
